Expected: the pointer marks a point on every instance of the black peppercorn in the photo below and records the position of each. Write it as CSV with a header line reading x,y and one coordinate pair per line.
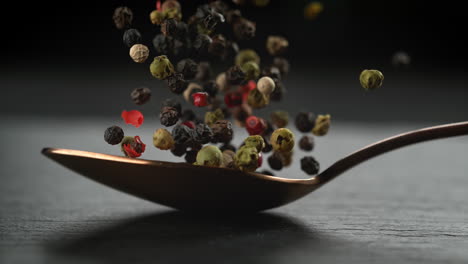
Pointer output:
x,y
244,29
232,16
169,27
113,135
305,121
178,150
188,68
191,156
188,115
278,92
210,21
267,172
309,165
176,83
140,95
183,135
204,72
203,133
131,37
275,161
122,17
201,44
211,88
162,44
268,147
228,147
282,64
235,75
217,46
306,143
182,32
171,102
169,116
222,131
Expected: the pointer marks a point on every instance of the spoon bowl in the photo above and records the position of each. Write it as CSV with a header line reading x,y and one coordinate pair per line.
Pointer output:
x,y
194,188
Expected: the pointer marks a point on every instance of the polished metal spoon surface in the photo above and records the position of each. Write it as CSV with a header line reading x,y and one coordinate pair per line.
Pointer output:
x,y
193,188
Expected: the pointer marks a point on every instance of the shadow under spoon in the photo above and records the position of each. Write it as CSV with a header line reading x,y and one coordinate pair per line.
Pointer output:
x,y
193,188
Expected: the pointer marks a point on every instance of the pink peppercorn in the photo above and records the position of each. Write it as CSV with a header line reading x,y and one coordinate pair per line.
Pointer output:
x,y
233,99
200,99
133,117
255,125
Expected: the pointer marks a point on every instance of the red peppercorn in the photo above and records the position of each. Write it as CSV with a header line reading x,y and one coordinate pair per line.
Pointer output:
x,y
133,117
135,149
200,99
189,124
233,99
255,125
245,89
260,160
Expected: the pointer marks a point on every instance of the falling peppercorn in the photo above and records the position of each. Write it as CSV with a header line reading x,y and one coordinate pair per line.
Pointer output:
x,y
113,135
245,56
275,161
209,156
140,95
131,37
256,99
251,70
322,125
255,125
266,85
171,102
306,143
203,133
282,64
132,146
222,131
133,117
276,45
162,139
244,29
188,68
204,72
305,121
139,53
280,118
161,67
168,116
233,99
246,159
183,135
255,141
282,140
157,17
162,44
200,99
176,83
310,165
371,79
122,17
212,117
169,27
235,75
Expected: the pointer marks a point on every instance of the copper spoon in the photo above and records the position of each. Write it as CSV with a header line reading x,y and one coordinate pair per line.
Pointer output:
x,y
188,187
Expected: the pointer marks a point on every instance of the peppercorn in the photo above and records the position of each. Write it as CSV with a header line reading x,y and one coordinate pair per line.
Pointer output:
x,y
139,53
251,70
306,143
209,156
280,118
203,133
228,159
191,89
282,140
132,146
272,72
162,44
162,139
269,129
176,83
113,135
169,27
401,58
210,21
371,79
200,99
266,85
122,17
246,159
312,10
173,13
168,4
244,29
157,17
171,102
131,37
305,121
267,172
279,91
188,68
133,117
217,46
276,45
191,156
255,141
322,125
245,56
228,147
222,131
178,150
140,95
235,75
310,165
203,72
257,100
211,88
212,117
169,116
161,67
183,135
255,125
268,147
275,161
282,64
233,99
188,115
201,44
287,158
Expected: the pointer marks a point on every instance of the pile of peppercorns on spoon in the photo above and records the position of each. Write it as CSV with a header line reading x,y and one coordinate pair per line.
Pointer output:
x,y
211,36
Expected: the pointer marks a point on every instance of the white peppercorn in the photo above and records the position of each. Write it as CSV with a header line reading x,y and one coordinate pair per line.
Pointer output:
x,y
139,53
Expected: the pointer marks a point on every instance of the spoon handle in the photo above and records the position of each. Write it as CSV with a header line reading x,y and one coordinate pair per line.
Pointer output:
x,y
398,141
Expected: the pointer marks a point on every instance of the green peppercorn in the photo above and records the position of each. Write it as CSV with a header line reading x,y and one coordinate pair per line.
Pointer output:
x,y
212,117
162,139
161,67
247,55
282,140
251,70
210,156
371,79
247,158
255,141
256,99
173,13
322,125
280,118
157,17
